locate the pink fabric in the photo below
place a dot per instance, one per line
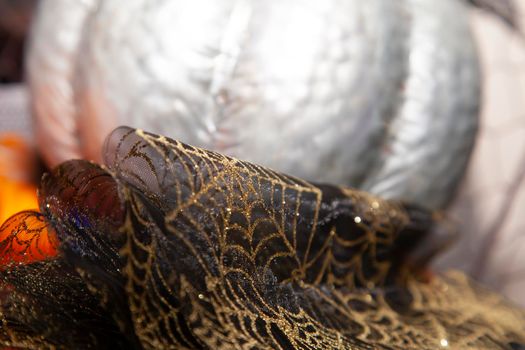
(14, 110)
(489, 208)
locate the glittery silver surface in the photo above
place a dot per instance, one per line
(333, 91)
(432, 133)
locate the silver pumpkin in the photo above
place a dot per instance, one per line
(379, 94)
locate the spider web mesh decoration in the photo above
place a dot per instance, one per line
(172, 246)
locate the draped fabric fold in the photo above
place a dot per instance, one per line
(171, 246)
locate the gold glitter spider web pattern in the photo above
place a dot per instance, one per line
(258, 230)
(221, 253)
(189, 249)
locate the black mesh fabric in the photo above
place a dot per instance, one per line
(172, 246)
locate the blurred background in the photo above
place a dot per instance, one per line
(419, 100)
